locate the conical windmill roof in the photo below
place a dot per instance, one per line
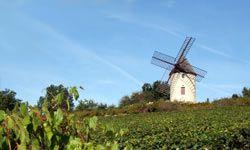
(183, 66)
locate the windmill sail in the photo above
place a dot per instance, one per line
(163, 61)
(184, 49)
(179, 68)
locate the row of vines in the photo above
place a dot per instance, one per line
(220, 128)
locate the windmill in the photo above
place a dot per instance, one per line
(183, 76)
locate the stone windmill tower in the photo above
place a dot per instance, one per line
(182, 76)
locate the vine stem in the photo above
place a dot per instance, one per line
(9, 139)
(16, 146)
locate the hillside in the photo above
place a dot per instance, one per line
(221, 124)
(218, 128)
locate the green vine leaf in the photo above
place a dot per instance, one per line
(26, 120)
(36, 122)
(49, 133)
(10, 123)
(58, 117)
(100, 147)
(2, 115)
(93, 122)
(24, 109)
(74, 144)
(22, 146)
(115, 146)
(59, 97)
(35, 144)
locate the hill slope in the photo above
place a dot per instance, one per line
(215, 128)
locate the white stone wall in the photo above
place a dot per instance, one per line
(177, 81)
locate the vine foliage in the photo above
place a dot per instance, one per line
(27, 127)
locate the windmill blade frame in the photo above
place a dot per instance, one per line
(184, 48)
(163, 61)
(162, 64)
(200, 74)
(163, 57)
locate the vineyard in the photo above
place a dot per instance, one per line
(221, 128)
(27, 127)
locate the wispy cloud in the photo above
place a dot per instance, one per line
(117, 68)
(172, 31)
(79, 50)
(217, 88)
(221, 53)
(214, 51)
(132, 20)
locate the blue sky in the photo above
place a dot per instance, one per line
(106, 45)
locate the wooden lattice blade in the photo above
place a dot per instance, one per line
(163, 60)
(185, 48)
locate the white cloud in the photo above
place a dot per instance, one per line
(81, 52)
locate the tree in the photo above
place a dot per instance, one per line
(146, 87)
(102, 106)
(8, 99)
(234, 96)
(149, 93)
(137, 97)
(111, 106)
(90, 104)
(159, 86)
(51, 92)
(125, 100)
(156, 85)
(86, 104)
(246, 92)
